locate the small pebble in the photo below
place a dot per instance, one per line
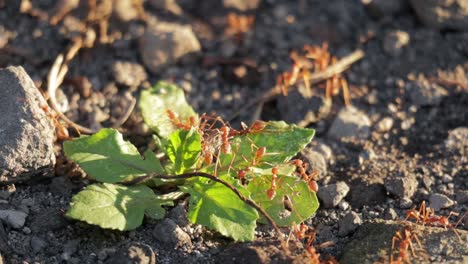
(349, 223)
(439, 201)
(331, 195)
(406, 203)
(385, 124)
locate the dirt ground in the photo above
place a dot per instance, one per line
(409, 130)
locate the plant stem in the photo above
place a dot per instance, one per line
(223, 182)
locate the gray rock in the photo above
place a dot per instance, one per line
(26, 132)
(135, 253)
(385, 8)
(179, 215)
(405, 203)
(331, 195)
(316, 161)
(349, 224)
(38, 244)
(439, 201)
(129, 73)
(442, 14)
(322, 148)
(350, 124)
(402, 187)
(242, 5)
(462, 197)
(395, 41)
(366, 155)
(457, 140)
(422, 92)
(13, 218)
(168, 232)
(372, 241)
(302, 108)
(164, 44)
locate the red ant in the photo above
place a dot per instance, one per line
(302, 168)
(406, 242)
(62, 132)
(271, 193)
(303, 231)
(173, 117)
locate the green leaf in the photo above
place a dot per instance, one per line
(183, 149)
(115, 206)
(106, 157)
(217, 207)
(282, 142)
(155, 101)
(293, 202)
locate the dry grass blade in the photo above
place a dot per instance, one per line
(314, 78)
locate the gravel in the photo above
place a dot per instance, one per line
(439, 201)
(350, 123)
(331, 195)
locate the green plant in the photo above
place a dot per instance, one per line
(234, 177)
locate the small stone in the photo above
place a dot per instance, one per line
(422, 92)
(322, 148)
(405, 203)
(343, 205)
(164, 44)
(385, 124)
(13, 218)
(391, 214)
(457, 140)
(129, 73)
(442, 14)
(462, 197)
(349, 224)
(447, 178)
(38, 244)
(302, 108)
(401, 186)
(316, 161)
(179, 215)
(395, 41)
(125, 10)
(170, 6)
(331, 195)
(439, 201)
(350, 123)
(26, 132)
(365, 155)
(168, 232)
(135, 253)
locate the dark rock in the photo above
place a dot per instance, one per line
(372, 241)
(164, 44)
(38, 244)
(350, 124)
(462, 197)
(401, 186)
(179, 215)
(366, 193)
(301, 108)
(4, 247)
(331, 195)
(61, 185)
(26, 133)
(385, 8)
(442, 14)
(48, 220)
(253, 253)
(134, 253)
(13, 218)
(349, 224)
(316, 161)
(169, 232)
(439, 201)
(129, 73)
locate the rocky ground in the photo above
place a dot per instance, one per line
(404, 140)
